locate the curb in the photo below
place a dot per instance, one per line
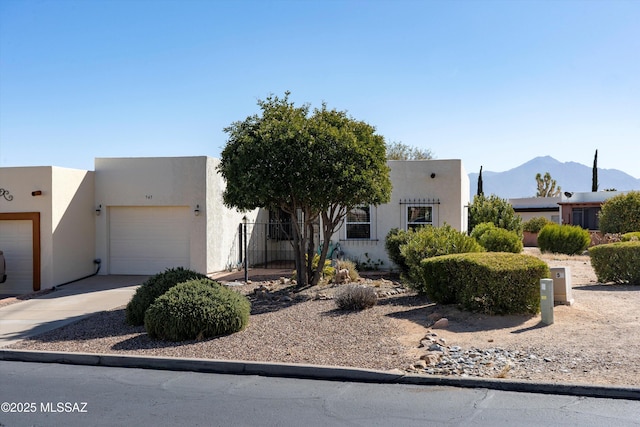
(314, 372)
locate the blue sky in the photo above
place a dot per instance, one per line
(494, 83)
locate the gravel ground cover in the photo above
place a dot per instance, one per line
(594, 341)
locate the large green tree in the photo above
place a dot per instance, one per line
(312, 165)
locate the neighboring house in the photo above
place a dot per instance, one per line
(139, 216)
(583, 209)
(47, 226)
(534, 207)
(135, 215)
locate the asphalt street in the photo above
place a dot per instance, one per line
(44, 394)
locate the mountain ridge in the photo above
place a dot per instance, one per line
(570, 176)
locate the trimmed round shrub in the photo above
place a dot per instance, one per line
(482, 228)
(197, 309)
(428, 242)
(356, 297)
(631, 237)
(152, 288)
(621, 214)
(501, 240)
(534, 225)
(492, 283)
(617, 262)
(563, 239)
(397, 237)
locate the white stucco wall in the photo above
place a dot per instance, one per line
(222, 223)
(412, 180)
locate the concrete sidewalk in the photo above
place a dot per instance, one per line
(66, 304)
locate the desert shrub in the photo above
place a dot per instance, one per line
(342, 264)
(428, 242)
(492, 283)
(621, 214)
(197, 309)
(496, 210)
(482, 228)
(152, 288)
(617, 262)
(630, 237)
(534, 225)
(501, 240)
(356, 297)
(563, 239)
(397, 237)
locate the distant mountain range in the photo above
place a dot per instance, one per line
(570, 176)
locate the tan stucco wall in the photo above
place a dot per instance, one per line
(73, 224)
(170, 181)
(66, 252)
(412, 180)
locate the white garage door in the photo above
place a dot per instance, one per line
(148, 240)
(17, 244)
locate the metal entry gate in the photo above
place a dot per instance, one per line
(268, 245)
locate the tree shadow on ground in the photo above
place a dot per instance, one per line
(608, 287)
(459, 321)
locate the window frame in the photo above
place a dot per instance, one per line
(348, 223)
(416, 224)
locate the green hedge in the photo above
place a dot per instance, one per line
(154, 287)
(563, 239)
(197, 309)
(397, 237)
(534, 225)
(428, 242)
(494, 239)
(492, 283)
(617, 262)
(631, 237)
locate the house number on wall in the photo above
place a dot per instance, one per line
(148, 196)
(5, 193)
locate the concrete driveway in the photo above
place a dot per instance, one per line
(66, 304)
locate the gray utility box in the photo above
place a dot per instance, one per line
(561, 277)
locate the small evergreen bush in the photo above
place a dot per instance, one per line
(621, 214)
(501, 240)
(563, 239)
(197, 309)
(617, 262)
(496, 210)
(356, 297)
(394, 240)
(428, 242)
(492, 283)
(482, 228)
(631, 237)
(152, 288)
(534, 225)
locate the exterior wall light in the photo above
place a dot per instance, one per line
(196, 211)
(36, 193)
(98, 210)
